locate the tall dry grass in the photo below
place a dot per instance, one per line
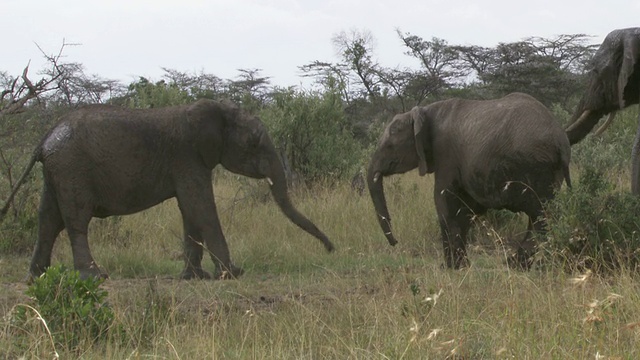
(365, 301)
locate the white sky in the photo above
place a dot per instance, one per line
(124, 39)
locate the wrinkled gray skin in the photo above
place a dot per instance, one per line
(509, 153)
(613, 84)
(100, 161)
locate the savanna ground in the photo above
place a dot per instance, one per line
(366, 300)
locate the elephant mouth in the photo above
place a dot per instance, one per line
(389, 170)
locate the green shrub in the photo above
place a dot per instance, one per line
(592, 226)
(313, 132)
(612, 149)
(72, 309)
(17, 233)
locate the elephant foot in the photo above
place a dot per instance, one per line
(521, 260)
(457, 261)
(228, 273)
(30, 278)
(93, 271)
(458, 265)
(195, 273)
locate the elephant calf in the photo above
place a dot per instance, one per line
(509, 153)
(100, 161)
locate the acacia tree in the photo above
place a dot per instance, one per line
(549, 69)
(250, 89)
(27, 106)
(19, 90)
(355, 49)
(439, 63)
(197, 85)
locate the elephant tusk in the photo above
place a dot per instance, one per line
(376, 177)
(580, 119)
(270, 182)
(606, 124)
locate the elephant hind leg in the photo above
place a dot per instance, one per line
(50, 224)
(526, 249)
(76, 207)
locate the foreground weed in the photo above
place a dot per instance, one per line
(593, 227)
(70, 308)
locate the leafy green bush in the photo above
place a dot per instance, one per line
(145, 94)
(612, 149)
(313, 133)
(592, 226)
(17, 234)
(73, 309)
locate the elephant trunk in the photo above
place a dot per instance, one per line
(376, 190)
(279, 190)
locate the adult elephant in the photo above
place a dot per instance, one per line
(613, 84)
(100, 161)
(509, 153)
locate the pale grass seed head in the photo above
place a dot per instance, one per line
(581, 280)
(434, 297)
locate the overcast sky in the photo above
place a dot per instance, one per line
(124, 39)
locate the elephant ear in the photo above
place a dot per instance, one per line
(206, 122)
(630, 57)
(419, 126)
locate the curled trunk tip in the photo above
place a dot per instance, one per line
(281, 196)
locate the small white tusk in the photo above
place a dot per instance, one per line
(270, 182)
(376, 177)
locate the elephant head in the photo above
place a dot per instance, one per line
(241, 144)
(404, 145)
(613, 84)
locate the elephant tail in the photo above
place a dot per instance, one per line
(36, 156)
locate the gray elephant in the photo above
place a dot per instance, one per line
(100, 161)
(613, 84)
(509, 153)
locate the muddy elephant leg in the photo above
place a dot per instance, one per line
(454, 242)
(50, 225)
(193, 252)
(202, 228)
(77, 224)
(454, 218)
(523, 258)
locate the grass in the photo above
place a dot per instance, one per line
(365, 301)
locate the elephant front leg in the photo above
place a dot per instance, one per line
(202, 230)
(455, 220)
(193, 252)
(454, 244)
